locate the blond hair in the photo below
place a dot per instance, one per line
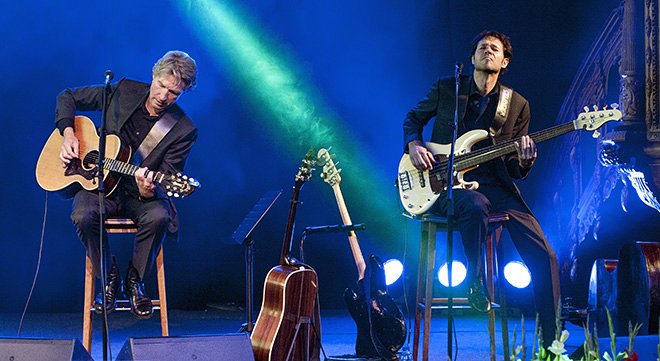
(178, 64)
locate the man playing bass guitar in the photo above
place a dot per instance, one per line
(480, 105)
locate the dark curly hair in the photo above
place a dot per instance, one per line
(508, 50)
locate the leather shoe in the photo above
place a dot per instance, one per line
(477, 296)
(112, 290)
(140, 303)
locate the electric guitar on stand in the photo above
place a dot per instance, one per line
(381, 328)
(284, 329)
(418, 190)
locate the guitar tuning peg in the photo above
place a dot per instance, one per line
(322, 175)
(596, 134)
(169, 194)
(191, 179)
(586, 108)
(614, 106)
(605, 107)
(185, 177)
(595, 107)
(338, 170)
(176, 195)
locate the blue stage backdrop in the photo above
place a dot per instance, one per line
(275, 77)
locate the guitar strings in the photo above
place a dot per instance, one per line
(441, 166)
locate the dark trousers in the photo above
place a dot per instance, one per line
(150, 216)
(471, 211)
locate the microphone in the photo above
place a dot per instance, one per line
(336, 228)
(459, 67)
(108, 76)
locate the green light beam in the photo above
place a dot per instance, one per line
(299, 119)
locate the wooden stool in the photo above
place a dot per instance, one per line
(424, 299)
(121, 225)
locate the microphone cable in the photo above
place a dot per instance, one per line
(36, 272)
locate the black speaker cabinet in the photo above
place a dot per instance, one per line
(230, 347)
(28, 349)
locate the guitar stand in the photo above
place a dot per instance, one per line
(306, 323)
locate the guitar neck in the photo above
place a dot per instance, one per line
(352, 237)
(118, 166)
(482, 155)
(290, 225)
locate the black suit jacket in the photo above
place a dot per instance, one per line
(169, 156)
(440, 103)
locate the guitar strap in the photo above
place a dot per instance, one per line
(502, 111)
(156, 134)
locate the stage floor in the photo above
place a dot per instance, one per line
(338, 330)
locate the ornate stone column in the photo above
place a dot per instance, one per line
(636, 142)
(652, 66)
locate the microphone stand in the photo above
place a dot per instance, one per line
(101, 188)
(450, 218)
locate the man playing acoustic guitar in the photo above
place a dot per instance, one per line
(485, 103)
(160, 137)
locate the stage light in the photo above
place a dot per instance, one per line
(458, 271)
(517, 274)
(393, 270)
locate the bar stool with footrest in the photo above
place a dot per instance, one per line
(121, 225)
(424, 301)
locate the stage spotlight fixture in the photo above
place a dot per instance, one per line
(393, 270)
(458, 274)
(517, 274)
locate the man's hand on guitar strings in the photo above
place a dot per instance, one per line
(144, 178)
(69, 148)
(420, 157)
(527, 151)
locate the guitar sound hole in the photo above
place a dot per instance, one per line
(91, 158)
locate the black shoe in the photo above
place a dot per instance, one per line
(140, 303)
(112, 290)
(477, 296)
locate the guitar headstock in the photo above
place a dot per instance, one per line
(306, 168)
(592, 120)
(178, 186)
(330, 172)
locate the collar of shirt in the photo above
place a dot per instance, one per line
(474, 91)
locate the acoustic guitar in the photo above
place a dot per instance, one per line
(82, 172)
(283, 331)
(381, 327)
(418, 190)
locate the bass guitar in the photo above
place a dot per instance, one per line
(82, 172)
(283, 330)
(381, 327)
(418, 190)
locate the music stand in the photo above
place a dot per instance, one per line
(242, 236)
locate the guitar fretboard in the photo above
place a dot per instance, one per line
(118, 166)
(485, 154)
